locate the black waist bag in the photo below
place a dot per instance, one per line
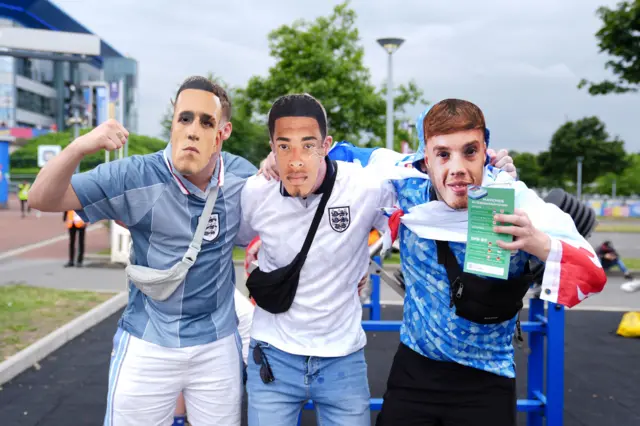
(480, 300)
(274, 291)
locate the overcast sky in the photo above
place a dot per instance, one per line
(520, 61)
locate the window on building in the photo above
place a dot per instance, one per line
(36, 103)
(40, 70)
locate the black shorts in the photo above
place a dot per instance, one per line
(423, 392)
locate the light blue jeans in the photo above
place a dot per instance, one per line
(338, 386)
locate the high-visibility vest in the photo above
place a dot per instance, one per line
(23, 191)
(73, 220)
(374, 236)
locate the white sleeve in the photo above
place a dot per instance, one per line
(244, 311)
(572, 269)
(385, 157)
(548, 217)
(388, 199)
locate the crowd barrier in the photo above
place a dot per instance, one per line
(545, 386)
(613, 208)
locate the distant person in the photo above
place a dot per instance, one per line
(609, 257)
(23, 195)
(76, 225)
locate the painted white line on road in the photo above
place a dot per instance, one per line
(20, 250)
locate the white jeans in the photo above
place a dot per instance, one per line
(145, 380)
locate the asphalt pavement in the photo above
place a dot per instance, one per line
(601, 376)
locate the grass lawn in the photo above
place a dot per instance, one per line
(619, 227)
(605, 219)
(28, 314)
(633, 264)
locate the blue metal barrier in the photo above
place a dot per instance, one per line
(374, 304)
(542, 401)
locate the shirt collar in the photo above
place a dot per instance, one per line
(187, 187)
(324, 186)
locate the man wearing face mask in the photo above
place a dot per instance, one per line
(306, 338)
(182, 208)
(452, 368)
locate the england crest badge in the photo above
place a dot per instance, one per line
(213, 228)
(339, 218)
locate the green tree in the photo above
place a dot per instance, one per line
(544, 180)
(25, 159)
(323, 58)
(249, 138)
(529, 169)
(627, 183)
(587, 138)
(619, 37)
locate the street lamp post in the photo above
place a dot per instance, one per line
(579, 182)
(390, 45)
(613, 188)
(76, 109)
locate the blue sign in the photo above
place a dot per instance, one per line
(113, 91)
(102, 105)
(4, 173)
(634, 210)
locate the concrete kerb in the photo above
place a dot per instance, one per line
(29, 356)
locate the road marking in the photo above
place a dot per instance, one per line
(20, 250)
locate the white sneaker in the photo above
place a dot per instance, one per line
(631, 286)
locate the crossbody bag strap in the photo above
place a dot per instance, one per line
(196, 243)
(194, 247)
(319, 212)
(448, 260)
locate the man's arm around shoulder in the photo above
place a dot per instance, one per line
(237, 165)
(252, 193)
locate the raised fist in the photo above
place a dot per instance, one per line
(109, 136)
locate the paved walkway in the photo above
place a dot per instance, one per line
(18, 232)
(38, 228)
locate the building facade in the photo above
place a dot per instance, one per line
(36, 93)
(53, 73)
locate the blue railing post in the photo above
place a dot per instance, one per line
(375, 294)
(535, 361)
(555, 365)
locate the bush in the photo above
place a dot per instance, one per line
(25, 159)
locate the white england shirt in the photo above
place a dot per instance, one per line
(325, 317)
